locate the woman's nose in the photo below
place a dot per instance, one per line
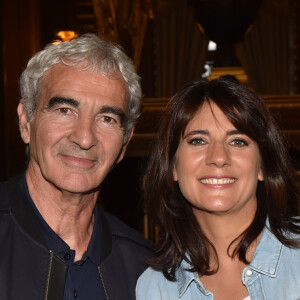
(218, 155)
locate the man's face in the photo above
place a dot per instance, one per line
(76, 135)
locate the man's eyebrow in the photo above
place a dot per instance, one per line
(61, 100)
(116, 111)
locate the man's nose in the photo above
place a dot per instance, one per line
(218, 155)
(83, 133)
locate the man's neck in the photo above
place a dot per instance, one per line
(69, 215)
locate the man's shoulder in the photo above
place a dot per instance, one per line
(8, 188)
(120, 230)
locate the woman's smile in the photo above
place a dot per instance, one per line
(224, 161)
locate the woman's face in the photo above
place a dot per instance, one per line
(217, 167)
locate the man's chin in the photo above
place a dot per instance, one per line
(76, 183)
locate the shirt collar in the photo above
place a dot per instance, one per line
(265, 260)
(267, 254)
(185, 278)
(94, 248)
(53, 241)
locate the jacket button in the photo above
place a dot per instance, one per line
(67, 256)
(248, 272)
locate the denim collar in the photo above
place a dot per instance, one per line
(265, 260)
(185, 278)
(267, 254)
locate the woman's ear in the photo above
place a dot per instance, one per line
(24, 124)
(175, 177)
(260, 175)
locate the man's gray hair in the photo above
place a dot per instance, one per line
(100, 56)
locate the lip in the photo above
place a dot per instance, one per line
(78, 161)
(217, 181)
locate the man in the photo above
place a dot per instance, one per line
(80, 100)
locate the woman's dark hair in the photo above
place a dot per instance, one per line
(277, 196)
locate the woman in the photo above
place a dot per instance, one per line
(222, 190)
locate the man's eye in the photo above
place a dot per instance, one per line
(107, 119)
(196, 141)
(64, 110)
(239, 143)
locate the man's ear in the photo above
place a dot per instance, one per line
(24, 124)
(124, 147)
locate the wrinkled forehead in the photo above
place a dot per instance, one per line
(84, 66)
(82, 85)
(62, 71)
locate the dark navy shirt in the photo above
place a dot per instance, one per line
(83, 279)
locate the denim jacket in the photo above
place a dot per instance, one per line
(274, 273)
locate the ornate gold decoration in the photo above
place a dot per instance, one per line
(66, 35)
(237, 72)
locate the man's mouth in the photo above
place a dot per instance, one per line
(80, 161)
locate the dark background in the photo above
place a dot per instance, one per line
(174, 51)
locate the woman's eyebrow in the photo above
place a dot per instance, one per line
(206, 132)
(233, 132)
(195, 132)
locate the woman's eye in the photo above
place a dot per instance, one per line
(196, 141)
(239, 143)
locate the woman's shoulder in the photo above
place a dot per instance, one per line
(152, 277)
(151, 273)
(152, 284)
